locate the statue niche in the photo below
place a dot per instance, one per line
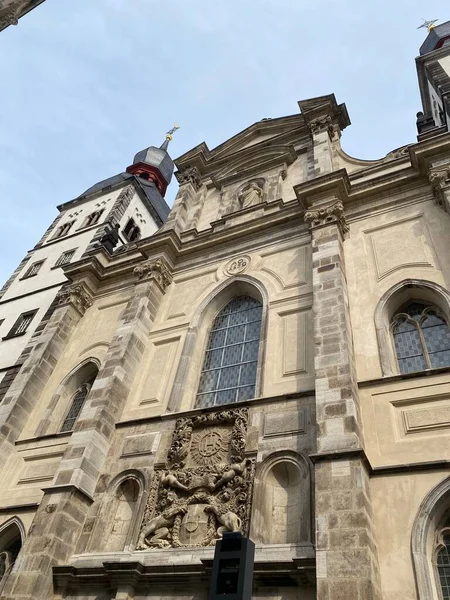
(205, 487)
(251, 193)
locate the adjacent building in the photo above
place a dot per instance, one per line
(272, 356)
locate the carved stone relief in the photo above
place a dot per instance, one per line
(237, 265)
(76, 295)
(191, 176)
(157, 270)
(247, 195)
(325, 216)
(439, 180)
(206, 485)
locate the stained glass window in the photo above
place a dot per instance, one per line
(421, 337)
(443, 567)
(231, 359)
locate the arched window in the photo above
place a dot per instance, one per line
(10, 545)
(421, 337)
(131, 231)
(231, 359)
(87, 374)
(443, 561)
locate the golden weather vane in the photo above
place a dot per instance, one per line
(170, 133)
(429, 25)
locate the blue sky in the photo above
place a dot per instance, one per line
(87, 84)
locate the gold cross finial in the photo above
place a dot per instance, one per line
(429, 25)
(170, 133)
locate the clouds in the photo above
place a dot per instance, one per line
(91, 83)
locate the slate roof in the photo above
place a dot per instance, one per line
(436, 34)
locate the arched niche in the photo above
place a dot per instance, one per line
(12, 534)
(61, 401)
(391, 301)
(117, 520)
(187, 377)
(433, 513)
(281, 512)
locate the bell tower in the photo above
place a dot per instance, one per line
(433, 70)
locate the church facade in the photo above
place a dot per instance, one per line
(270, 356)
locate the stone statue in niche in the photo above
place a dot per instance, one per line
(251, 193)
(205, 487)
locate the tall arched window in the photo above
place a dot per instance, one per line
(10, 545)
(443, 561)
(231, 359)
(421, 337)
(88, 373)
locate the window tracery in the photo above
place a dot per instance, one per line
(443, 561)
(231, 359)
(421, 337)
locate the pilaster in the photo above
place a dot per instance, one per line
(64, 507)
(345, 549)
(188, 202)
(45, 350)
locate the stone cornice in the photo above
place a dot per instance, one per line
(331, 186)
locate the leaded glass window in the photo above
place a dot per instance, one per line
(231, 359)
(75, 407)
(443, 564)
(421, 337)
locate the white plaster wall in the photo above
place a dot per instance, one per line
(81, 211)
(436, 104)
(138, 212)
(10, 349)
(445, 64)
(50, 253)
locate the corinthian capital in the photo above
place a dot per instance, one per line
(191, 176)
(326, 216)
(158, 270)
(75, 295)
(439, 178)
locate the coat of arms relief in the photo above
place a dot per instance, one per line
(206, 485)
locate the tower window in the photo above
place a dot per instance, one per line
(63, 230)
(231, 358)
(131, 231)
(65, 258)
(21, 325)
(92, 219)
(33, 269)
(421, 338)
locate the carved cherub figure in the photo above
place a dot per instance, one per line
(172, 481)
(235, 469)
(159, 527)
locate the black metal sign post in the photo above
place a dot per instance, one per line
(232, 572)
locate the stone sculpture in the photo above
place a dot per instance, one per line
(206, 485)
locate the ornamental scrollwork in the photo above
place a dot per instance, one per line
(322, 124)
(10, 18)
(157, 270)
(326, 216)
(76, 296)
(191, 176)
(439, 179)
(205, 487)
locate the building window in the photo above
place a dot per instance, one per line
(76, 405)
(421, 338)
(33, 269)
(92, 219)
(231, 359)
(131, 231)
(443, 562)
(21, 325)
(65, 258)
(10, 545)
(63, 230)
